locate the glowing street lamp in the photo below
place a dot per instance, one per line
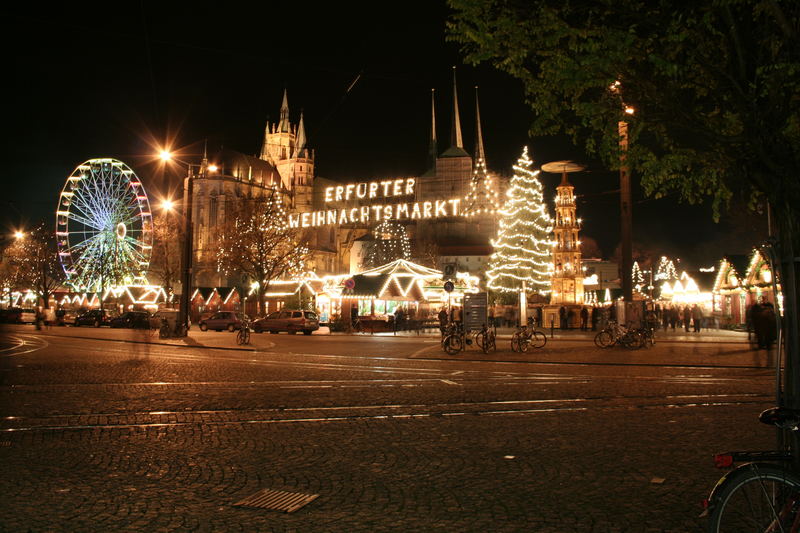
(19, 235)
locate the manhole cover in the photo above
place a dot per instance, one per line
(277, 500)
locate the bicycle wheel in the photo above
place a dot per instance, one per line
(491, 342)
(631, 340)
(756, 497)
(453, 344)
(481, 341)
(603, 339)
(241, 336)
(538, 339)
(515, 342)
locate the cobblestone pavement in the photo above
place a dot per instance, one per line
(121, 436)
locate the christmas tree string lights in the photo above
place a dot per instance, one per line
(522, 249)
(482, 198)
(391, 243)
(637, 276)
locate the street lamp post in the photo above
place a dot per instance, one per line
(626, 229)
(186, 256)
(186, 260)
(626, 222)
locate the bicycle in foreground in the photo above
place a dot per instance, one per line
(527, 336)
(456, 338)
(243, 335)
(486, 339)
(763, 492)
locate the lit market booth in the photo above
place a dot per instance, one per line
(209, 300)
(122, 298)
(373, 296)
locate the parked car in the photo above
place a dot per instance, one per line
(27, 316)
(10, 315)
(66, 317)
(170, 315)
(93, 317)
(222, 320)
(290, 320)
(131, 319)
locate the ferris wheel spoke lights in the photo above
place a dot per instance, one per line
(103, 226)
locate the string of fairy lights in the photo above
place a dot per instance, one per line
(482, 197)
(523, 248)
(391, 243)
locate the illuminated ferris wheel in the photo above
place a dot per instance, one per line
(104, 228)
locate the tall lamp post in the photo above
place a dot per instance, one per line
(187, 249)
(626, 216)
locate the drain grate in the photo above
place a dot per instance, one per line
(277, 500)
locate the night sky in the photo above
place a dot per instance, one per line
(89, 83)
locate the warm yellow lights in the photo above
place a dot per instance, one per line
(19, 235)
(165, 155)
(629, 110)
(167, 205)
(212, 168)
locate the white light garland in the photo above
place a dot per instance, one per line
(523, 244)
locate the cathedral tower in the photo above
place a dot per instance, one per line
(285, 148)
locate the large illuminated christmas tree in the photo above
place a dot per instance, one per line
(522, 249)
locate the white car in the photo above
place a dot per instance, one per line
(28, 316)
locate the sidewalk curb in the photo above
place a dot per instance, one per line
(130, 341)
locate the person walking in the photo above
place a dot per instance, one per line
(442, 320)
(595, 317)
(764, 323)
(584, 318)
(458, 317)
(562, 316)
(665, 317)
(697, 317)
(687, 317)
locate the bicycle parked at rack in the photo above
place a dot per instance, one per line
(763, 492)
(457, 339)
(614, 334)
(243, 335)
(166, 331)
(527, 336)
(486, 339)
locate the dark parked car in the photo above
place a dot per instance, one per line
(66, 317)
(222, 320)
(12, 315)
(131, 319)
(94, 317)
(291, 320)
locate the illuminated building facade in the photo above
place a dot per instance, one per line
(336, 215)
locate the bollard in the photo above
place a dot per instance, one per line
(551, 327)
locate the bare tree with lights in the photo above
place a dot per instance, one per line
(32, 263)
(165, 260)
(258, 243)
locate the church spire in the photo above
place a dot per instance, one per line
(432, 149)
(300, 142)
(455, 132)
(479, 153)
(283, 124)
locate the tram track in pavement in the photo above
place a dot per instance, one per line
(343, 413)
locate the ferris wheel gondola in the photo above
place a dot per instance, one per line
(104, 227)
